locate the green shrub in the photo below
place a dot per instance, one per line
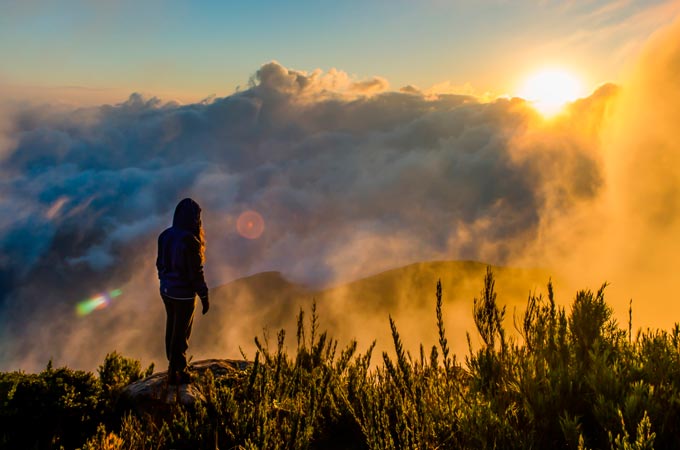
(118, 371)
(57, 407)
(574, 380)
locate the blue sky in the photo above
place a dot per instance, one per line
(195, 49)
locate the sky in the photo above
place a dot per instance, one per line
(104, 50)
(329, 142)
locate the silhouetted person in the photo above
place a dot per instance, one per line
(181, 254)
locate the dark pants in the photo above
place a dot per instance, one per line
(180, 317)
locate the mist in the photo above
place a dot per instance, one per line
(642, 201)
(351, 178)
(627, 233)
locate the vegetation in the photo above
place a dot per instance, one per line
(575, 380)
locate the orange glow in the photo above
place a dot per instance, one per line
(550, 89)
(250, 225)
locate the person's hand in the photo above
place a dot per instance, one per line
(206, 304)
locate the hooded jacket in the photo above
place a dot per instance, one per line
(179, 264)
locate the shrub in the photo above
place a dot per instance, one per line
(574, 380)
(57, 407)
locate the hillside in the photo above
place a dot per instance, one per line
(410, 285)
(360, 309)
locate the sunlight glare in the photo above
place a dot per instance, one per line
(550, 89)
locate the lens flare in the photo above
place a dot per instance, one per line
(250, 225)
(99, 302)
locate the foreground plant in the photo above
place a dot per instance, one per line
(573, 380)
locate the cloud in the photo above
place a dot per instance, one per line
(644, 150)
(350, 178)
(274, 79)
(627, 232)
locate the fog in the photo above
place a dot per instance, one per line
(351, 177)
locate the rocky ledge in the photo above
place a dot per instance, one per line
(153, 391)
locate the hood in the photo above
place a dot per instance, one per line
(187, 216)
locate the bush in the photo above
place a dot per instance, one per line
(575, 380)
(57, 407)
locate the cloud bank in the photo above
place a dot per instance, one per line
(349, 177)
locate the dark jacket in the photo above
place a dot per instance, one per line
(179, 264)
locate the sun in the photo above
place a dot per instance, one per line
(550, 89)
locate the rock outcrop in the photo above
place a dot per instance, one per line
(153, 392)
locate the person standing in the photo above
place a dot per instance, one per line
(181, 255)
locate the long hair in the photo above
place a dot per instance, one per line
(201, 240)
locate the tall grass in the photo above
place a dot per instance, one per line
(574, 379)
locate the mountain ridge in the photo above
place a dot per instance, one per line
(360, 309)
